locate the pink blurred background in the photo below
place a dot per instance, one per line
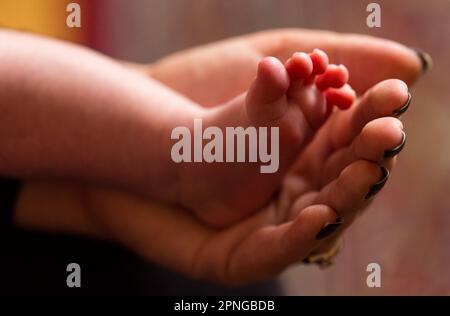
(407, 229)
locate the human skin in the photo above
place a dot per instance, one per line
(296, 97)
(217, 72)
(75, 114)
(65, 213)
(210, 83)
(287, 226)
(70, 113)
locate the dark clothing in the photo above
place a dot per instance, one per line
(35, 263)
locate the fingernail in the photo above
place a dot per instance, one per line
(374, 189)
(403, 108)
(425, 59)
(394, 151)
(329, 228)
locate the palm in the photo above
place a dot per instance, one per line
(280, 233)
(283, 231)
(264, 244)
(215, 73)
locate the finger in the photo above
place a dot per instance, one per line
(362, 54)
(355, 187)
(379, 139)
(351, 193)
(343, 126)
(271, 249)
(383, 99)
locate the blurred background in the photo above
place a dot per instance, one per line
(407, 229)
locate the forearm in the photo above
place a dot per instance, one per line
(69, 112)
(55, 207)
(144, 227)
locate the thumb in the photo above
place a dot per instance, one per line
(369, 59)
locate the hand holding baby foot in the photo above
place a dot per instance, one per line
(296, 98)
(360, 138)
(337, 175)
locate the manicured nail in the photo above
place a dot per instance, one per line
(374, 189)
(425, 59)
(403, 108)
(329, 228)
(394, 151)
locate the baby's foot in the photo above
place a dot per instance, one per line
(296, 97)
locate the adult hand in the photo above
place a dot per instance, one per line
(337, 176)
(338, 173)
(215, 72)
(334, 175)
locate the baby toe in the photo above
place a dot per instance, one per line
(320, 61)
(335, 76)
(299, 66)
(342, 97)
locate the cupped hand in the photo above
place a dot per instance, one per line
(337, 176)
(215, 72)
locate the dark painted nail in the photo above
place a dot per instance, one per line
(374, 189)
(329, 228)
(394, 151)
(403, 108)
(425, 59)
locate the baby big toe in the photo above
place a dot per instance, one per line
(266, 95)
